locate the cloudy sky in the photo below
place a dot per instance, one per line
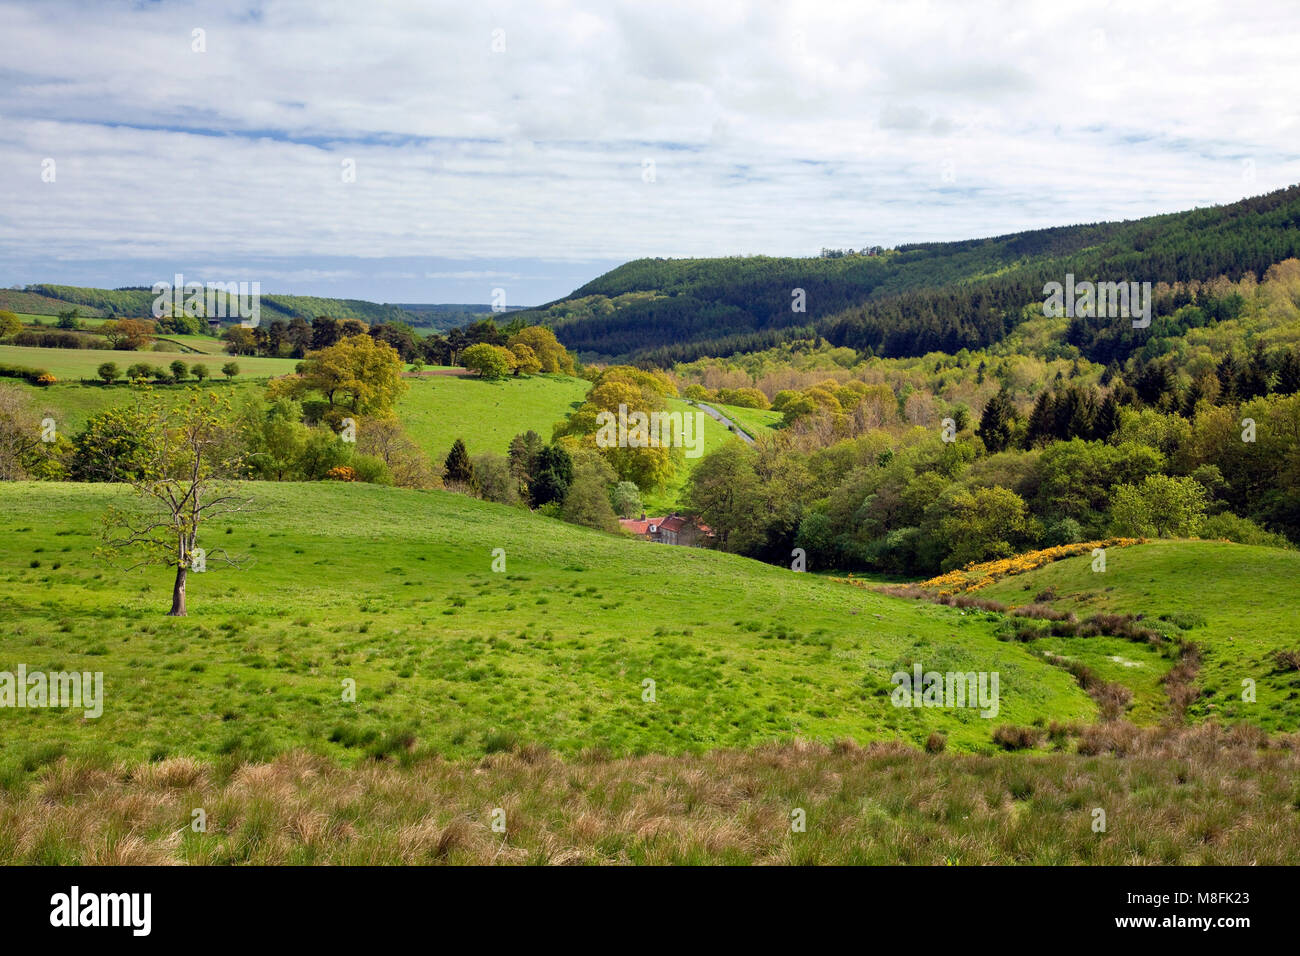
(430, 151)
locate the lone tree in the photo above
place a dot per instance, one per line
(459, 468)
(490, 361)
(190, 459)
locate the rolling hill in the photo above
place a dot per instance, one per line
(909, 300)
(1250, 618)
(395, 590)
(137, 302)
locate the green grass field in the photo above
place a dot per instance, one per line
(1237, 602)
(70, 404)
(438, 409)
(82, 363)
(755, 421)
(394, 589)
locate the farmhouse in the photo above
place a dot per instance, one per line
(673, 529)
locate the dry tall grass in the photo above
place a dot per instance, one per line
(1203, 795)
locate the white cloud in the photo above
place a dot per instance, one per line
(773, 128)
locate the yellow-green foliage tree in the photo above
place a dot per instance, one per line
(359, 372)
(636, 390)
(489, 361)
(526, 360)
(552, 357)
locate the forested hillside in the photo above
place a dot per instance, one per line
(909, 300)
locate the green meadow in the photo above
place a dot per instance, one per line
(438, 409)
(755, 421)
(70, 404)
(1235, 601)
(395, 590)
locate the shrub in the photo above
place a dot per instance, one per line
(341, 473)
(1287, 660)
(370, 469)
(109, 372)
(935, 743)
(1228, 527)
(32, 375)
(626, 499)
(1011, 737)
(45, 379)
(52, 340)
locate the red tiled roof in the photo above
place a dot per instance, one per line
(639, 525)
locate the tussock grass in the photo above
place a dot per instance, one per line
(1190, 796)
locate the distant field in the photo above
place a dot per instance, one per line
(82, 363)
(71, 403)
(438, 409)
(204, 343)
(1236, 601)
(755, 421)
(394, 589)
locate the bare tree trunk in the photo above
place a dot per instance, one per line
(178, 593)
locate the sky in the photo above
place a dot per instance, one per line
(417, 151)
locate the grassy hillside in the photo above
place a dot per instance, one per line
(35, 304)
(438, 409)
(1236, 602)
(394, 589)
(755, 421)
(70, 404)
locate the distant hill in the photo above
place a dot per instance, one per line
(441, 317)
(32, 303)
(137, 302)
(909, 300)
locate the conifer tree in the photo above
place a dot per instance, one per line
(996, 421)
(460, 470)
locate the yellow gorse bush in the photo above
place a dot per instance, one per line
(973, 577)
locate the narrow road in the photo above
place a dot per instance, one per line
(715, 414)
